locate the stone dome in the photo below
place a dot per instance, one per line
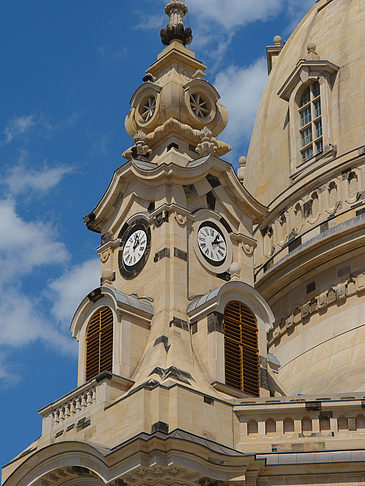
(306, 162)
(336, 30)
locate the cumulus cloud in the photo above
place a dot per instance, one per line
(241, 89)
(68, 290)
(20, 179)
(21, 323)
(18, 126)
(219, 20)
(26, 245)
(7, 374)
(234, 13)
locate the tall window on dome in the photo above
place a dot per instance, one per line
(99, 343)
(241, 348)
(310, 114)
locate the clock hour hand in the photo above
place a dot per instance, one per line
(136, 242)
(216, 241)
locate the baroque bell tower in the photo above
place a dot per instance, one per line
(175, 335)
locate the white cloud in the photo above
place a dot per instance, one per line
(217, 21)
(234, 13)
(241, 90)
(26, 245)
(20, 179)
(152, 22)
(7, 374)
(44, 317)
(68, 290)
(21, 323)
(18, 126)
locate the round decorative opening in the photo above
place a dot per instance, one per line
(147, 109)
(200, 106)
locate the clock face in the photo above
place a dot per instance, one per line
(134, 248)
(212, 243)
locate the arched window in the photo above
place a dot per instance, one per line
(342, 423)
(99, 343)
(270, 426)
(324, 424)
(360, 422)
(252, 427)
(306, 424)
(241, 348)
(310, 113)
(288, 425)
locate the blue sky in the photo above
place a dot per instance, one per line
(69, 68)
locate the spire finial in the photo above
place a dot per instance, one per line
(175, 30)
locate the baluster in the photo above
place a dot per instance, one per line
(73, 407)
(83, 401)
(68, 410)
(89, 397)
(56, 418)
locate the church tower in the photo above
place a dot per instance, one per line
(176, 333)
(176, 386)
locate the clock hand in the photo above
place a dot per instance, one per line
(216, 241)
(136, 242)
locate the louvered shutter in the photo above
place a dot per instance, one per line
(241, 348)
(99, 343)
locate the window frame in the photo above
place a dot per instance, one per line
(98, 342)
(241, 337)
(305, 74)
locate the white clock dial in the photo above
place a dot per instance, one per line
(134, 248)
(212, 244)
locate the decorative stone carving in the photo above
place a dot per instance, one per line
(176, 30)
(167, 475)
(242, 169)
(312, 211)
(104, 257)
(181, 219)
(311, 52)
(248, 249)
(142, 148)
(320, 303)
(208, 144)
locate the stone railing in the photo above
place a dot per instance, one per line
(309, 214)
(75, 405)
(277, 422)
(75, 408)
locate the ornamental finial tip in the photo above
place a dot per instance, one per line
(175, 30)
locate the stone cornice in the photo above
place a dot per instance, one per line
(309, 67)
(334, 295)
(166, 174)
(312, 179)
(341, 239)
(175, 53)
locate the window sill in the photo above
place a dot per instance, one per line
(230, 390)
(328, 151)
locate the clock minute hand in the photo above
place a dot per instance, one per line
(216, 241)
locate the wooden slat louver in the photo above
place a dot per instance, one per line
(99, 343)
(241, 348)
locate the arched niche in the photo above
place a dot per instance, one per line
(208, 313)
(127, 312)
